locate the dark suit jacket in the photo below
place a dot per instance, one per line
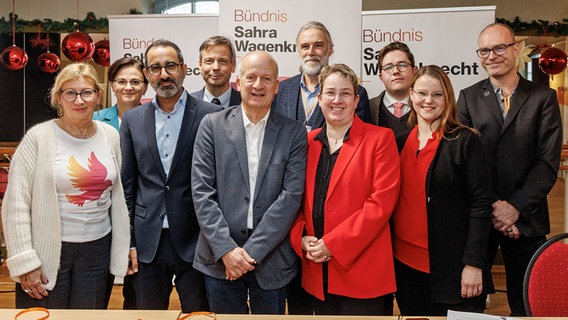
(220, 181)
(288, 102)
(233, 101)
(459, 213)
(523, 151)
(149, 193)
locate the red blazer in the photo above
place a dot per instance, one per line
(362, 195)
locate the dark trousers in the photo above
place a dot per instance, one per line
(231, 296)
(516, 257)
(81, 279)
(299, 301)
(414, 297)
(128, 292)
(154, 281)
(341, 305)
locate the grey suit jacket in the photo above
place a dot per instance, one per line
(220, 181)
(522, 150)
(149, 193)
(234, 100)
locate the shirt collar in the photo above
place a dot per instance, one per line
(246, 120)
(224, 97)
(305, 87)
(388, 100)
(179, 104)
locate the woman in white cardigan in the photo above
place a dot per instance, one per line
(64, 215)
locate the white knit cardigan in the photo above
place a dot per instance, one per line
(30, 210)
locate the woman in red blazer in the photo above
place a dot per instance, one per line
(342, 233)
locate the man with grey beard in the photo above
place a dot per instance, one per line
(157, 146)
(297, 96)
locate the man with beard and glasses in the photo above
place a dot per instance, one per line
(157, 146)
(297, 97)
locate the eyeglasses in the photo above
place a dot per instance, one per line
(70, 95)
(389, 68)
(123, 82)
(423, 95)
(171, 68)
(498, 50)
(342, 95)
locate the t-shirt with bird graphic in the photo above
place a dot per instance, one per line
(85, 173)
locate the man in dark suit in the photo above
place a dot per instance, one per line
(249, 167)
(521, 130)
(157, 147)
(217, 61)
(390, 108)
(297, 97)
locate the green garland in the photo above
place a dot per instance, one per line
(537, 27)
(90, 24)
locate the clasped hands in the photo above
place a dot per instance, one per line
(315, 249)
(237, 263)
(504, 218)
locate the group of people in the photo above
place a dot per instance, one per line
(302, 194)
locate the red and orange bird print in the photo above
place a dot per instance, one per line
(91, 182)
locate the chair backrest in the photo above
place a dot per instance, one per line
(546, 280)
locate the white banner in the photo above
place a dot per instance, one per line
(274, 25)
(443, 36)
(130, 35)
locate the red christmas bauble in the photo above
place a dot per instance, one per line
(78, 46)
(102, 53)
(14, 58)
(48, 62)
(552, 61)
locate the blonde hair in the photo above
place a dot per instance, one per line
(73, 72)
(342, 70)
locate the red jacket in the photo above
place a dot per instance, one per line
(361, 197)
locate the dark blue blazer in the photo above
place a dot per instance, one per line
(233, 101)
(288, 102)
(149, 193)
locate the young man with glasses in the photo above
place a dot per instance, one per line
(521, 130)
(157, 146)
(390, 108)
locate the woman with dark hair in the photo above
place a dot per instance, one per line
(442, 219)
(128, 83)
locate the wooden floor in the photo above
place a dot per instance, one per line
(497, 302)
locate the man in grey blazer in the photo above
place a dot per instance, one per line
(157, 147)
(248, 176)
(521, 130)
(217, 61)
